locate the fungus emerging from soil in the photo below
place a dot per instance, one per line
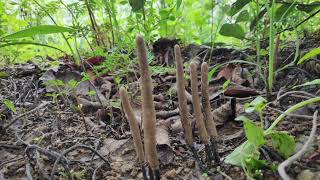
(182, 97)
(134, 126)
(196, 105)
(208, 117)
(148, 109)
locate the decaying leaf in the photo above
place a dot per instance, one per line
(225, 112)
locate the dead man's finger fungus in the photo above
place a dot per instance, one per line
(148, 109)
(208, 117)
(196, 105)
(182, 97)
(134, 126)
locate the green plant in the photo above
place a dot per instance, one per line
(10, 105)
(256, 137)
(257, 105)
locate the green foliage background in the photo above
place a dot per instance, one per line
(210, 22)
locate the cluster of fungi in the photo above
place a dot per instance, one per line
(147, 154)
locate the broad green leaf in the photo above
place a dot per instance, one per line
(238, 156)
(10, 105)
(30, 43)
(237, 6)
(254, 133)
(136, 5)
(283, 143)
(309, 55)
(37, 30)
(314, 82)
(243, 16)
(232, 30)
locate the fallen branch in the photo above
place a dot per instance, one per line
(284, 164)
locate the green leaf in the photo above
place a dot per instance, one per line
(314, 82)
(37, 30)
(72, 83)
(232, 30)
(254, 133)
(309, 55)
(136, 5)
(254, 163)
(283, 143)
(226, 84)
(30, 43)
(237, 6)
(258, 101)
(243, 16)
(10, 105)
(214, 70)
(238, 156)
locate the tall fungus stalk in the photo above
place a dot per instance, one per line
(148, 109)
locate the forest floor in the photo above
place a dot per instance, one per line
(89, 137)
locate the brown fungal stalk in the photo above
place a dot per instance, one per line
(148, 108)
(208, 117)
(182, 97)
(196, 105)
(133, 123)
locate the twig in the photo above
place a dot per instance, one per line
(296, 92)
(290, 114)
(24, 114)
(284, 164)
(71, 149)
(29, 171)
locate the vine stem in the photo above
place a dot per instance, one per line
(290, 110)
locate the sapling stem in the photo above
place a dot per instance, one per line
(148, 109)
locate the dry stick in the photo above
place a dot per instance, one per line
(197, 110)
(183, 107)
(284, 164)
(134, 127)
(148, 109)
(208, 117)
